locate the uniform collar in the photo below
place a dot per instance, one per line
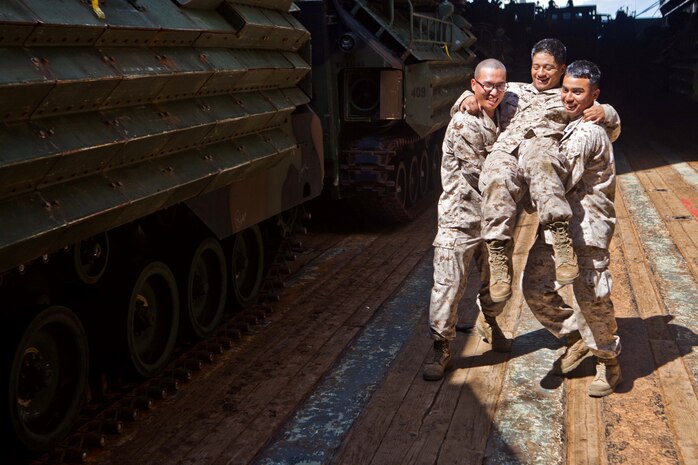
(571, 126)
(495, 120)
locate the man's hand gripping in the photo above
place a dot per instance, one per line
(595, 114)
(470, 105)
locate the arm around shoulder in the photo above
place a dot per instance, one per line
(605, 115)
(456, 106)
(611, 122)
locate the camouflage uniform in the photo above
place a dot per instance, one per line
(458, 238)
(591, 188)
(526, 155)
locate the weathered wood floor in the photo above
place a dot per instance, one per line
(335, 376)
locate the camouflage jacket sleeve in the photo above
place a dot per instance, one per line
(466, 140)
(456, 106)
(590, 184)
(517, 88)
(585, 149)
(464, 150)
(611, 122)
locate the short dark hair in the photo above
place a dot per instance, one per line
(585, 69)
(552, 47)
(490, 63)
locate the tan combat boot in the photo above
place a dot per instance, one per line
(434, 370)
(575, 353)
(566, 268)
(491, 333)
(607, 377)
(500, 271)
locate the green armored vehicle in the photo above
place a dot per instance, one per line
(385, 75)
(146, 146)
(150, 150)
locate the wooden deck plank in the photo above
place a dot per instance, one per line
(681, 159)
(585, 438)
(680, 224)
(680, 398)
(584, 429)
(633, 421)
(366, 299)
(252, 373)
(329, 400)
(362, 442)
(324, 343)
(471, 422)
(248, 374)
(673, 377)
(675, 282)
(668, 191)
(685, 188)
(528, 424)
(365, 437)
(434, 422)
(407, 426)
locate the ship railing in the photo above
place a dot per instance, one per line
(428, 29)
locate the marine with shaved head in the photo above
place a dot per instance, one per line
(466, 144)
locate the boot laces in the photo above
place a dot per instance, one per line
(499, 266)
(600, 372)
(562, 242)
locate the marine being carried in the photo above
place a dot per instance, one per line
(526, 156)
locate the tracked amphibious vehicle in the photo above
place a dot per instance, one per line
(152, 152)
(385, 74)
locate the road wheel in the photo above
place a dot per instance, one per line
(435, 156)
(413, 181)
(90, 258)
(152, 319)
(423, 173)
(247, 266)
(47, 377)
(204, 291)
(401, 187)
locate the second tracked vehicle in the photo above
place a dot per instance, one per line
(385, 74)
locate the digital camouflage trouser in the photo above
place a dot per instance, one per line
(450, 280)
(537, 166)
(592, 312)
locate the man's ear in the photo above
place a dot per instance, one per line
(596, 93)
(563, 68)
(472, 84)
